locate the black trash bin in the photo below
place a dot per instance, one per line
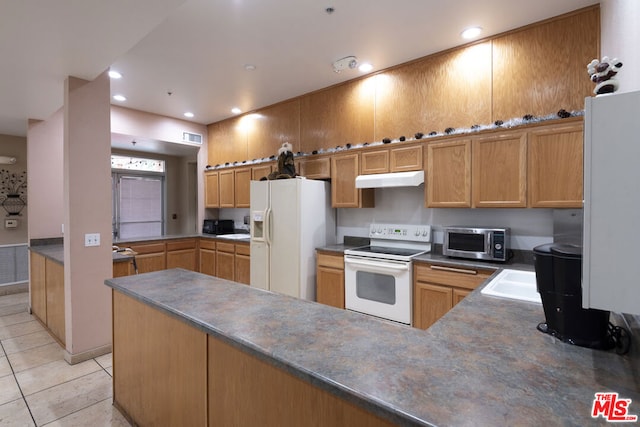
(559, 282)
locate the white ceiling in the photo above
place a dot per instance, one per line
(197, 49)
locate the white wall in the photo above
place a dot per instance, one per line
(529, 227)
(619, 36)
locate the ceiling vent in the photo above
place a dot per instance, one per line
(192, 137)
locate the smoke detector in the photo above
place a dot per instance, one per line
(344, 63)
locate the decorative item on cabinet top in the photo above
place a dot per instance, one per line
(504, 124)
(13, 191)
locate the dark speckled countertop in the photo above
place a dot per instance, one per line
(484, 363)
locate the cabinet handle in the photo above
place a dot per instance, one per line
(454, 270)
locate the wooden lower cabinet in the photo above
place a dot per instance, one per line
(182, 254)
(38, 289)
(225, 260)
(330, 279)
(207, 257)
(437, 288)
(151, 256)
(123, 268)
(159, 366)
(243, 263)
(167, 372)
(47, 294)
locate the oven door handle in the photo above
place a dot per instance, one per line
(377, 265)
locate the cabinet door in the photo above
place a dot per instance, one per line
(122, 268)
(208, 261)
(555, 166)
(207, 257)
(227, 190)
(225, 260)
(243, 263)
(211, 195)
(499, 171)
(38, 290)
(430, 303)
(314, 168)
(448, 174)
(375, 162)
(242, 184)
(405, 159)
(344, 194)
(459, 295)
(330, 286)
(151, 256)
(55, 299)
(185, 258)
(258, 172)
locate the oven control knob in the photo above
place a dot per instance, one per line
(498, 246)
(425, 233)
(417, 233)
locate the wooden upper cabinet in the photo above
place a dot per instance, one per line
(450, 89)
(242, 187)
(211, 194)
(339, 115)
(344, 194)
(403, 159)
(524, 82)
(499, 170)
(399, 159)
(261, 171)
(227, 141)
(448, 181)
(375, 162)
(555, 166)
(227, 188)
(314, 168)
(269, 127)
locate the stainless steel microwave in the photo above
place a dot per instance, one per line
(490, 244)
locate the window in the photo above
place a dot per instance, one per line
(138, 197)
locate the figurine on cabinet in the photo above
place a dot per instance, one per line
(603, 74)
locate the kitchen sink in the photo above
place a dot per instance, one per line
(514, 284)
(238, 236)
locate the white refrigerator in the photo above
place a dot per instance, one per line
(611, 203)
(290, 218)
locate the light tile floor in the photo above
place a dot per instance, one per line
(37, 386)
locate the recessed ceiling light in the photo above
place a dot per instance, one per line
(188, 114)
(114, 74)
(250, 67)
(236, 110)
(471, 32)
(119, 98)
(365, 67)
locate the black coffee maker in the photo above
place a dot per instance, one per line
(559, 282)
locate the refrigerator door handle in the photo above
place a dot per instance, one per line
(267, 226)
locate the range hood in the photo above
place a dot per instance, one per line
(395, 179)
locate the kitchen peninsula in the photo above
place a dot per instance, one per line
(198, 350)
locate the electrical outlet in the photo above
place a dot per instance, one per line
(92, 239)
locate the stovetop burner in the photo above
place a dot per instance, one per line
(395, 242)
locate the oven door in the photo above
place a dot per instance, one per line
(378, 287)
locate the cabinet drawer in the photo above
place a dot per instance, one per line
(332, 261)
(375, 162)
(181, 244)
(225, 247)
(148, 248)
(207, 244)
(460, 277)
(243, 249)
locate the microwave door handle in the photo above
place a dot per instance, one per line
(489, 243)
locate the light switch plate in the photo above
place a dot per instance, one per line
(10, 223)
(92, 239)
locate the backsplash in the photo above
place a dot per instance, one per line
(529, 227)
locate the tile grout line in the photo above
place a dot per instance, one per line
(18, 384)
